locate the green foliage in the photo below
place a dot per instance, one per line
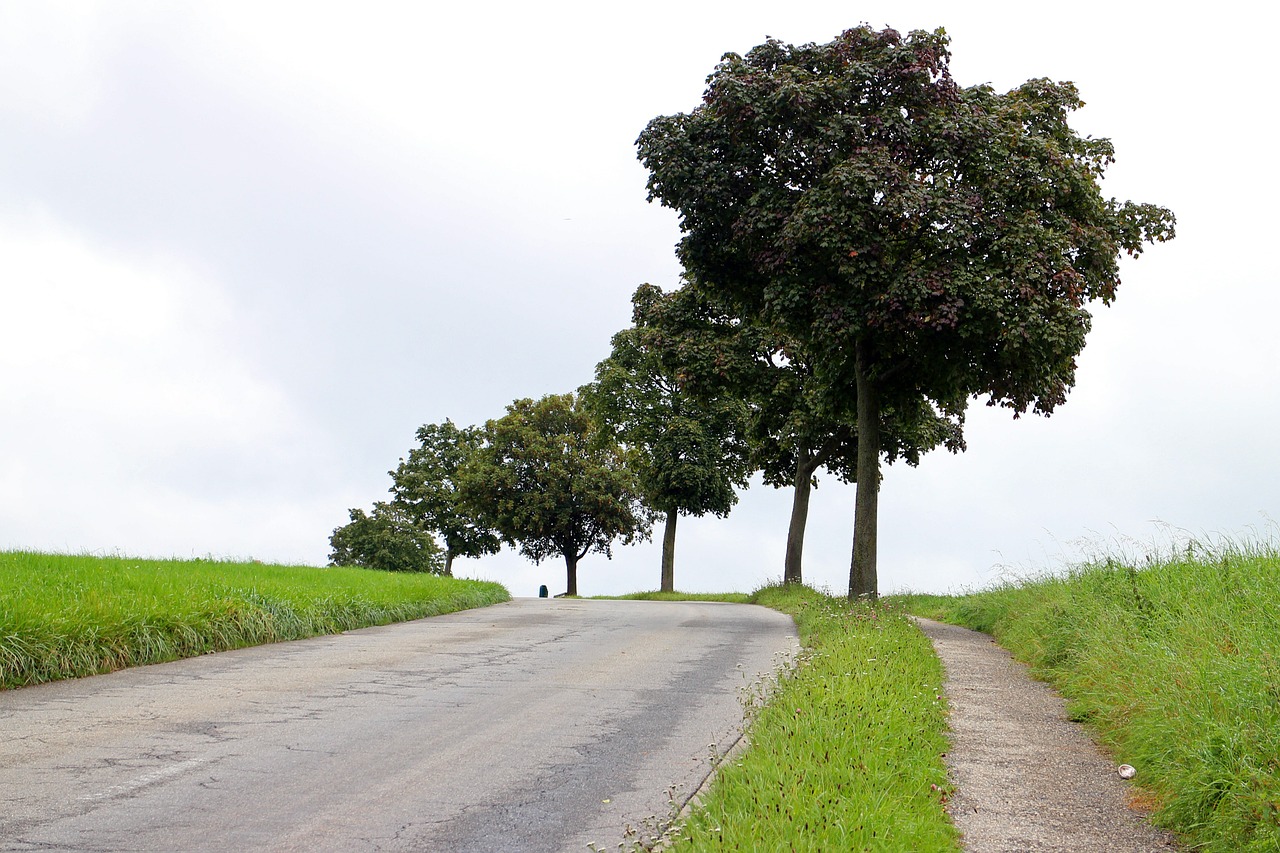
(550, 486)
(388, 540)
(1175, 664)
(846, 754)
(69, 616)
(853, 191)
(923, 243)
(688, 452)
(717, 358)
(425, 487)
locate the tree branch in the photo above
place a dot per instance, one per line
(830, 446)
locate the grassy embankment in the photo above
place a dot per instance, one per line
(731, 597)
(846, 754)
(1175, 665)
(69, 616)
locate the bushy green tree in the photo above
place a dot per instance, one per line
(548, 485)
(924, 243)
(689, 453)
(425, 487)
(793, 425)
(386, 539)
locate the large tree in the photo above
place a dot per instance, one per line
(426, 486)
(689, 453)
(548, 485)
(925, 242)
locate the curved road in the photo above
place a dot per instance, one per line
(534, 725)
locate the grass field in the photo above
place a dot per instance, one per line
(66, 616)
(1175, 665)
(847, 752)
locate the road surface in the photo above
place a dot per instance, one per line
(529, 726)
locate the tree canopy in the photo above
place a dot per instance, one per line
(689, 453)
(549, 485)
(386, 539)
(426, 486)
(923, 243)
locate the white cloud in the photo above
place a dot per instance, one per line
(140, 343)
(127, 403)
(47, 92)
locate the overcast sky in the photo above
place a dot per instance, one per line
(247, 248)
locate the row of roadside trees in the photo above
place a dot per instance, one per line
(868, 247)
(563, 476)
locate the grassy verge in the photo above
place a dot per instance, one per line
(68, 616)
(847, 752)
(1176, 667)
(731, 597)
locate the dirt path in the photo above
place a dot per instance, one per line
(1027, 778)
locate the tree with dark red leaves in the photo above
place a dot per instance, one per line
(925, 243)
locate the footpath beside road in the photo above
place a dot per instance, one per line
(1027, 778)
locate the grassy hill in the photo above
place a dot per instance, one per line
(1174, 664)
(64, 616)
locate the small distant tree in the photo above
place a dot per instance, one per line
(425, 486)
(386, 539)
(551, 487)
(689, 454)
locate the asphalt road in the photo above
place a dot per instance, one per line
(538, 725)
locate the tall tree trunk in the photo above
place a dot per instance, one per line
(448, 563)
(862, 569)
(571, 566)
(791, 571)
(669, 552)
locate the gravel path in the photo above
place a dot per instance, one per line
(1027, 779)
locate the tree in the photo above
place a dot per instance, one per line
(789, 434)
(426, 486)
(925, 243)
(688, 454)
(792, 428)
(549, 485)
(386, 540)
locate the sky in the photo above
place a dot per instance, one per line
(246, 249)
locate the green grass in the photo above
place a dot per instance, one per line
(731, 597)
(66, 616)
(1175, 665)
(846, 754)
